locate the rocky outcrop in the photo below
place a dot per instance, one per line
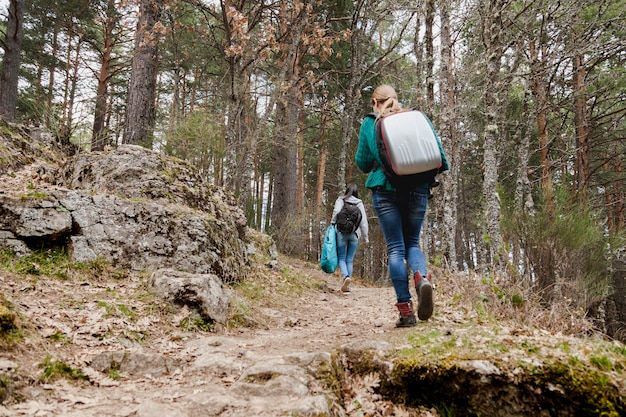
(129, 234)
(21, 146)
(139, 174)
(132, 207)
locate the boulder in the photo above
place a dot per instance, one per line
(203, 292)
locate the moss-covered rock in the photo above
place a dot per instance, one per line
(7, 319)
(559, 380)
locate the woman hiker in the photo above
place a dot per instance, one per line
(400, 213)
(348, 241)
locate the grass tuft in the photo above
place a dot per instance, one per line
(53, 369)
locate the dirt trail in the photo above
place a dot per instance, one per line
(171, 372)
(321, 320)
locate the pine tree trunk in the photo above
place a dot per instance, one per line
(493, 50)
(430, 54)
(72, 86)
(301, 168)
(260, 193)
(285, 164)
(448, 133)
(541, 255)
(541, 106)
(241, 148)
(140, 114)
(615, 200)
(285, 155)
(11, 62)
(319, 192)
(98, 136)
(523, 201)
(580, 121)
(418, 50)
(65, 126)
(319, 188)
(616, 316)
(51, 78)
(523, 191)
(352, 95)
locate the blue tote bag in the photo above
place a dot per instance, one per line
(329, 261)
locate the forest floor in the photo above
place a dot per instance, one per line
(284, 320)
(71, 320)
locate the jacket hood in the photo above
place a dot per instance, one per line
(353, 199)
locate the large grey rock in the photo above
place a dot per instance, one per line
(34, 218)
(129, 234)
(202, 291)
(10, 242)
(136, 209)
(138, 173)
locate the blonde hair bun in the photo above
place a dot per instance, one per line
(385, 99)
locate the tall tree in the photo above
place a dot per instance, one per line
(103, 41)
(321, 175)
(368, 64)
(492, 28)
(286, 126)
(245, 43)
(140, 114)
(12, 46)
(449, 135)
(429, 44)
(581, 125)
(52, 69)
(355, 83)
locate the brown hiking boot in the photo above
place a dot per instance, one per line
(345, 286)
(424, 288)
(407, 316)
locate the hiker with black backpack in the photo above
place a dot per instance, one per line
(350, 220)
(401, 211)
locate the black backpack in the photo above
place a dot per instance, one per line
(408, 147)
(349, 218)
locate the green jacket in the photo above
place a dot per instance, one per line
(367, 157)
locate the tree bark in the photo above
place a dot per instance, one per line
(615, 200)
(321, 176)
(72, 76)
(98, 136)
(492, 28)
(580, 117)
(51, 78)
(430, 54)
(523, 191)
(140, 114)
(12, 46)
(285, 155)
(448, 131)
(541, 255)
(351, 95)
(241, 149)
(541, 106)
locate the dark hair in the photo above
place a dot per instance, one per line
(351, 189)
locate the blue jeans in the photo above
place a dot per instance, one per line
(401, 215)
(346, 249)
